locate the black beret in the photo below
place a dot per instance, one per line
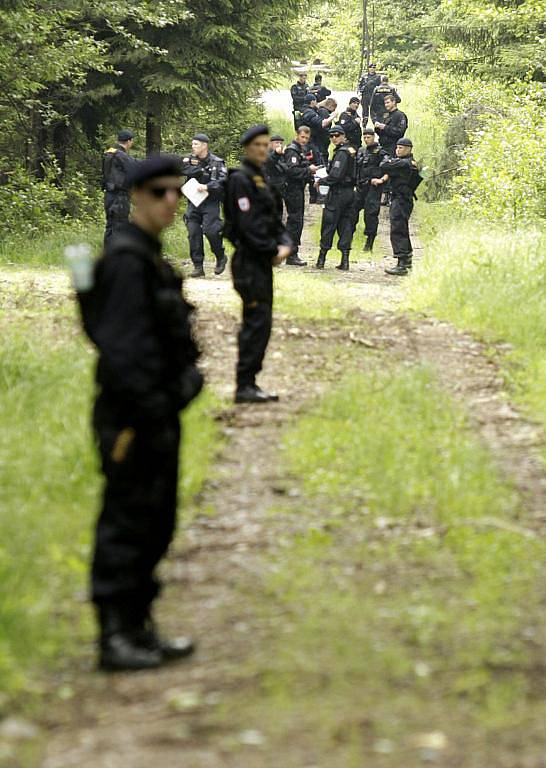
(404, 142)
(276, 137)
(337, 129)
(153, 167)
(256, 130)
(201, 137)
(368, 131)
(310, 97)
(354, 99)
(125, 135)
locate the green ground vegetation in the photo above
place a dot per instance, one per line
(50, 485)
(411, 598)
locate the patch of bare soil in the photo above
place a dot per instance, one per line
(164, 718)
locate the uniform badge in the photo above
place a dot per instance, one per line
(342, 122)
(244, 204)
(259, 181)
(185, 159)
(194, 161)
(294, 160)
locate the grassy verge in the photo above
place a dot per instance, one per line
(50, 485)
(406, 622)
(491, 281)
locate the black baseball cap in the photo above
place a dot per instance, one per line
(310, 97)
(337, 129)
(276, 137)
(354, 100)
(125, 135)
(404, 142)
(368, 132)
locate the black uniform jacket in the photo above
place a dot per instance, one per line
(275, 169)
(367, 84)
(368, 161)
(341, 172)
(254, 215)
(377, 104)
(312, 119)
(211, 171)
(396, 125)
(297, 164)
(116, 166)
(141, 327)
(403, 173)
(298, 93)
(351, 124)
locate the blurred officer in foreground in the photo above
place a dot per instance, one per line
(298, 92)
(211, 173)
(299, 172)
(275, 165)
(350, 122)
(116, 168)
(404, 176)
(365, 88)
(338, 213)
(378, 111)
(137, 318)
(369, 179)
(254, 226)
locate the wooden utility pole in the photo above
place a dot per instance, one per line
(365, 36)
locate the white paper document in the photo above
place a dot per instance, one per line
(194, 195)
(321, 173)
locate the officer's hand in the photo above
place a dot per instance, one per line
(317, 184)
(279, 150)
(202, 188)
(380, 126)
(283, 252)
(376, 182)
(313, 168)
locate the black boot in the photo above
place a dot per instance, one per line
(250, 393)
(198, 271)
(368, 246)
(404, 263)
(344, 263)
(295, 261)
(121, 648)
(171, 650)
(321, 261)
(221, 264)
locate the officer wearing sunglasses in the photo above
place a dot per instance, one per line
(137, 317)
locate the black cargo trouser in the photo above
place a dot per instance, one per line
(338, 216)
(294, 199)
(253, 281)
(368, 198)
(138, 515)
(204, 220)
(399, 214)
(117, 207)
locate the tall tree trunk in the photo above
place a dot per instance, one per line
(61, 133)
(36, 153)
(153, 124)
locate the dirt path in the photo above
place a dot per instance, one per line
(168, 718)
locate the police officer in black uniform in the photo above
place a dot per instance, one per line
(254, 226)
(299, 172)
(298, 92)
(211, 173)
(140, 323)
(350, 122)
(392, 127)
(404, 177)
(368, 185)
(275, 165)
(320, 90)
(325, 110)
(116, 168)
(378, 111)
(338, 210)
(313, 119)
(365, 88)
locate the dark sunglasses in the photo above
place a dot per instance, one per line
(160, 192)
(336, 135)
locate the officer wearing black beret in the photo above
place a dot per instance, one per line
(137, 318)
(254, 225)
(404, 177)
(211, 173)
(337, 214)
(116, 168)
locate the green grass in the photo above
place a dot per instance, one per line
(411, 601)
(491, 281)
(50, 486)
(307, 296)
(280, 123)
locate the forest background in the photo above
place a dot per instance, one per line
(472, 76)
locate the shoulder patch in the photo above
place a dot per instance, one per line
(294, 159)
(111, 151)
(185, 159)
(259, 181)
(351, 150)
(244, 204)
(194, 161)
